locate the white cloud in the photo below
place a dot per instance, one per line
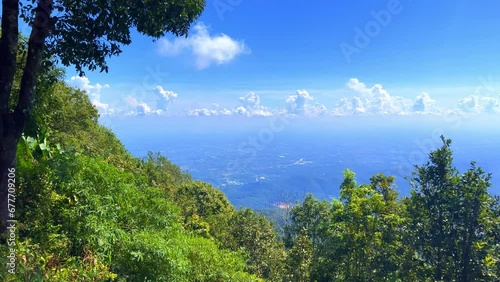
(143, 108)
(164, 97)
(477, 104)
(202, 112)
(298, 100)
(225, 112)
(491, 105)
(377, 100)
(214, 111)
(242, 111)
(358, 106)
(140, 107)
(250, 100)
(359, 87)
(423, 103)
(158, 103)
(315, 110)
(298, 104)
(369, 100)
(93, 91)
(249, 106)
(207, 49)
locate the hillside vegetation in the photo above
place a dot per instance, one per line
(89, 211)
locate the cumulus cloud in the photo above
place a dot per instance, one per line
(360, 87)
(214, 111)
(163, 97)
(94, 92)
(140, 107)
(423, 103)
(143, 108)
(477, 104)
(202, 112)
(358, 106)
(249, 106)
(250, 100)
(350, 106)
(491, 105)
(315, 110)
(299, 104)
(205, 112)
(296, 103)
(157, 103)
(377, 100)
(207, 49)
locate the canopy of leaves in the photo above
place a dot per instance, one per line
(85, 33)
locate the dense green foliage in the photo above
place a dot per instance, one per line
(83, 34)
(446, 231)
(89, 211)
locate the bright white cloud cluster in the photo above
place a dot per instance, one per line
(157, 103)
(377, 100)
(138, 107)
(164, 97)
(249, 106)
(94, 92)
(207, 49)
(424, 103)
(477, 104)
(372, 100)
(214, 111)
(298, 104)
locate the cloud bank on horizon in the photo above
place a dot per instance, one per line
(364, 100)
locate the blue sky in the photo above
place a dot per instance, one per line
(344, 57)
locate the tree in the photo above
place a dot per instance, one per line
(81, 33)
(368, 224)
(310, 218)
(354, 238)
(202, 199)
(300, 259)
(452, 219)
(310, 227)
(254, 234)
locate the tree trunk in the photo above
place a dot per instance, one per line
(12, 123)
(8, 55)
(8, 146)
